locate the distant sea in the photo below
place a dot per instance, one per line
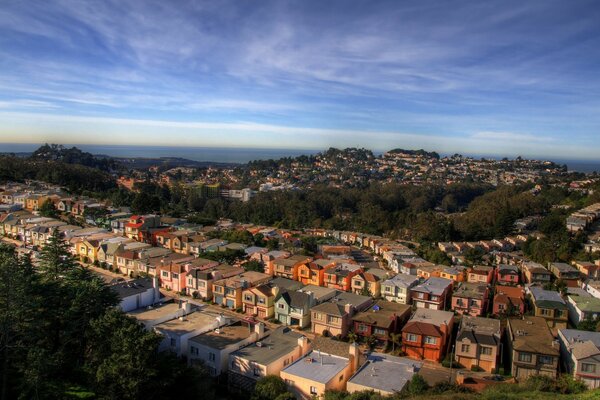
(225, 154)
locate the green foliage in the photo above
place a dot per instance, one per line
(228, 256)
(48, 210)
(254, 265)
(417, 385)
(270, 388)
(589, 325)
(234, 236)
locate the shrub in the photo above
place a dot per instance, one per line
(417, 385)
(566, 384)
(195, 294)
(449, 362)
(476, 368)
(540, 383)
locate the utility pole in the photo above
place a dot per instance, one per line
(451, 363)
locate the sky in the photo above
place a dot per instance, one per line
(476, 77)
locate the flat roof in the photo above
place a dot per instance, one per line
(156, 312)
(318, 366)
(279, 343)
(531, 334)
(189, 323)
(224, 336)
(386, 373)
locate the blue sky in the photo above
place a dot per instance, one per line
(483, 77)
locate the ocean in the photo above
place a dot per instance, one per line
(224, 154)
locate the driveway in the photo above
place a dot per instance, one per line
(435, 373)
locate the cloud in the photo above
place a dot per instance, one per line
(512, 136)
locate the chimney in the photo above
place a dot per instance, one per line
(354, 357)
(303, 343)
(348, 308)
(259, 329)
(275, 291)
(187, 308)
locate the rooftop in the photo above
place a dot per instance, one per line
(547, 298)
(586, 303)
(480, 330)
(470, 290)
(318, 366)
(224, 336)
(189, 323)
(531, 334)
(159, 311)
(435, 317)
(402, 280)
(131, 288)
(434, 285)
(381, 313)
(385, 372)
(276, 345)
(318, 292)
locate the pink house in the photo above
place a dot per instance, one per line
(173, 276)
(507, 274)
(470, 299)
(480, 274)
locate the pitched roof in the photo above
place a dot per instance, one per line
(531, 334)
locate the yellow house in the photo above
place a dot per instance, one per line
(228, 292)
(456, 274)
(87, 250)
(260, 301)
(328, 366)
(34, 202)
(371, 282)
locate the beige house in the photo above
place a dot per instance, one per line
(478, 343)
(328, 366)
(334, 317)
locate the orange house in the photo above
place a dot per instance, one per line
(313, 273)
(426, 335)
(288, 267)
(340, 277)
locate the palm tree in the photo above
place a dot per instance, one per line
(396, 340)
(352, 337)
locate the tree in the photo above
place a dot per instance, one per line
(396, 339)
(254, 265)
(48, 210)
(269, 388)
(417, 385)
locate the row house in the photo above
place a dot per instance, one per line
(177, 241)
(294, 307)
(367, 283)
(583, 307)
(580, 355)
(171, 269)
(228, 292)
(288, 267)
(381, 320)
(426, 336)
(313, 273)
(207, 246)
(456, 273)
(470, 298)
(551, 306)
(334, 317)
(535, 273)
(509, 300)
(429, 271)
(592, 287)
(340, 276)
(132, 258)
(507, 274)
(478, 343)
(149, 262)
(532, 348)
(139, 223)
(481, 274)
(200, 280)
(566, 273)
(398, 288)
(588, 270)
(434, 293)
(267, 259)
(260, 300)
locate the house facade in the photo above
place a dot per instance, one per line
(478, 343)
(427, 334)
(434, 293)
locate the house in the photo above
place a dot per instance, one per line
(313, 273)
(535, 273)
(228, 292)
(456, 274)
(532, 348)
(200, 281)
(293, 308)
(334, 317)
(426, 336)
(478, 343)
(434, 293)
(267, 259)
(212, 349)
(583, 308)
(138, 223)
(588, 270)
(319, 293)
(550, 305)
(173, 275)
(580, 355)
(137, 293)
(288, 267)
(592, 287)
(268, 357)
(509, 300)
(259, 301)
(340, 276)
(381, 320)
(507, 274)
(480, 274)
(428, 271)
(328, 366)
(366, 283)
(470, 298)
(399, 288)
(383, 374)
(566, 273)
(177, 332)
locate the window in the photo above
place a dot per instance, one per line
(434, 298)
(281, 306)
(261, 300)
(211, 356)
(430, 340)
(193, 350)
(247, 297)
(486, 351)
(546, 359)
(500, 307)
(175, 276)
(173, 342)
(332, 320)
(591, 368)
(256, 371)
(165, 274)
(525, 357)
(313, 390)
(411, 337)
(545, 312)
(362, 328)
(465, 348)
(388, 289)
(357, 283)
(379, 331)
(421, 295)
(318, 316)
(341, 377)
(286, 362)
